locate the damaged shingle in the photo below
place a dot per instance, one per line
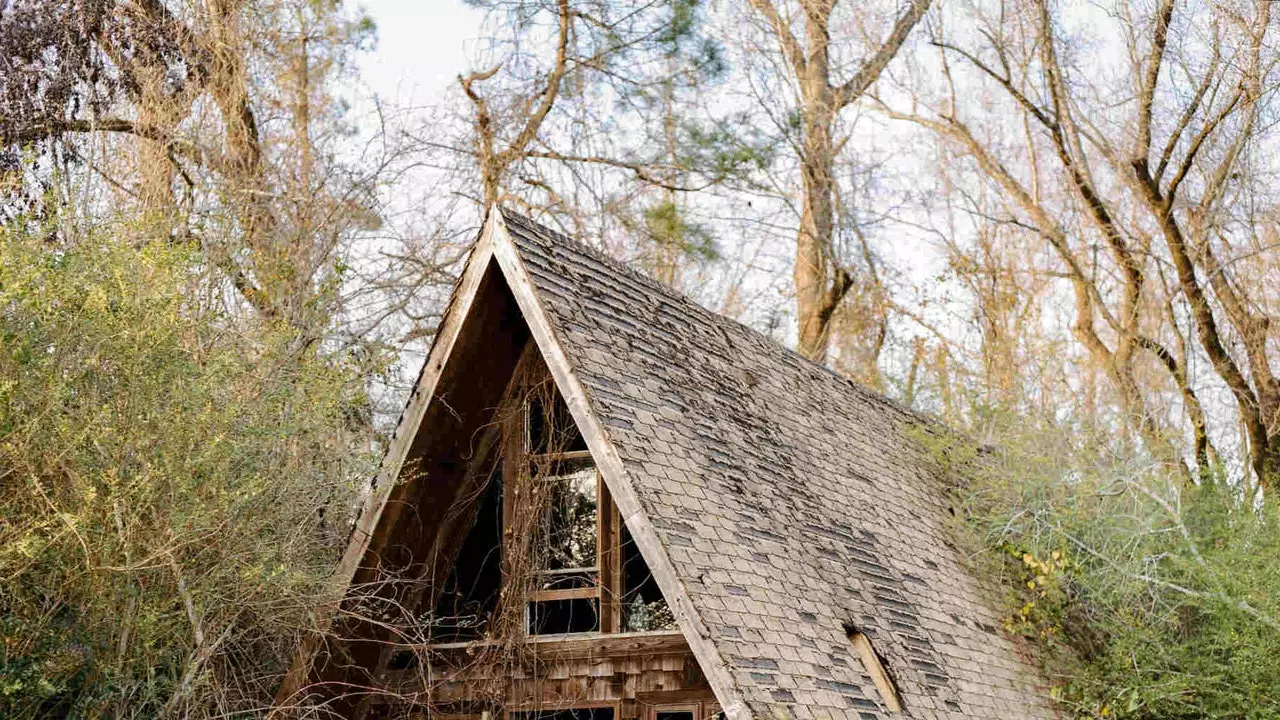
(811, 494)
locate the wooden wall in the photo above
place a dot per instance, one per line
(631, 672)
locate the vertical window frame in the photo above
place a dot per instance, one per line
(518, 456)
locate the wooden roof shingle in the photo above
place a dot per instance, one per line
(792, 504)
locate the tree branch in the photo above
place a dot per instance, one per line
(642, 172)
(791, 49)
(871, 69)
(550, 91)
(38, 131)
(1147, 88)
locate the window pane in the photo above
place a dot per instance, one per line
(555, 617)
(673, 715)
(569, 521)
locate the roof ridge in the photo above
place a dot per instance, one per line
(637, 274)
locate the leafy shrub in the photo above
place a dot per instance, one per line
(174, 481)
(1149, 594)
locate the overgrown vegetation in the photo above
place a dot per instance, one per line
(1055, 209)
(174, 482)
(1149, 595)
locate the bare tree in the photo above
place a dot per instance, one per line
(1138, 212)
(166, 102)
(821, 279)
(586, 114)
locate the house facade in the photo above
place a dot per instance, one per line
(604, 502)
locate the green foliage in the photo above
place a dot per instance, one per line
(684, 28)
(725, 152)
(644, 616)
(166, 471)
(666, 225)
(1150, 596)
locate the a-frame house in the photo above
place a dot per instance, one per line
(604, 502)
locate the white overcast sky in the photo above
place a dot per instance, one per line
(422, 46)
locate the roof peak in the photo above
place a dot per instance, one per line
(787, 500)
(545, 232)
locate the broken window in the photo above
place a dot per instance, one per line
(644, 608)
(556, 617)
(565, 592)
(549, 427)
(569, 520)
(565, 596)
(584, 573)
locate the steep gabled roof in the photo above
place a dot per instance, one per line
(778, 505)
(791, 503)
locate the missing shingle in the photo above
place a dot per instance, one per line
(876, 667)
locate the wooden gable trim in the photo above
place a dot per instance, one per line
(386, 485)
(610, 465)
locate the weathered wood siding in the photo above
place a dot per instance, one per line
(630, 672)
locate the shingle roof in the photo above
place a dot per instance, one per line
(792, 503)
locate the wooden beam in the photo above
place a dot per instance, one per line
(582, 593)
(876, 671)
(610, 464)
(561, 456)
(570, 705)
(609, 552)
(675, 697)
(579, 646)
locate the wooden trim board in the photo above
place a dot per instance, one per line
(876, 671)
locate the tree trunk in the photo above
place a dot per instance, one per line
(813, 242)
(814, 305)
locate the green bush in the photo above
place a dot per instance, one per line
(1149, 594)
(174, 482)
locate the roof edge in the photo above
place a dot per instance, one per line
(384, 481)
(611, 468)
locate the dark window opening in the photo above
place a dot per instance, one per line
(550, 428)
(643, 606)
(570, 579)
(403, 660)
(471, 592)
(673, 715)
(598, 713)
(555, 617)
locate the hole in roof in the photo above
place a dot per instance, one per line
(875, 666)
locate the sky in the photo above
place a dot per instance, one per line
(422, 46)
